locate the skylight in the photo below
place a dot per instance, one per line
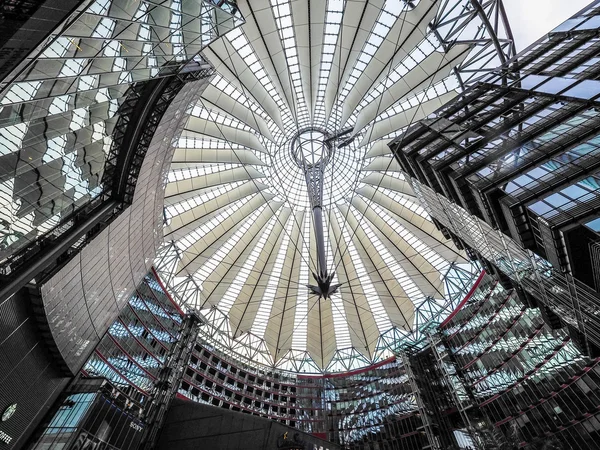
(322, 85)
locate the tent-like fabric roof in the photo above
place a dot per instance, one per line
(239, 233)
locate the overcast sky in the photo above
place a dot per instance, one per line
(530, 19)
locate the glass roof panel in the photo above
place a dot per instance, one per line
(302, 105)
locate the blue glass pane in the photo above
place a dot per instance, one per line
(556, 85)
(540, 208)
(583, 149)
(591, 24)
(537, 172)
(510, 188)
(531, 81)
(568, 25)
(587, 89)
(550, 166)
(594, 224)
(523, 180)
(69, 417)
(557, 200)
(574, 192)
(590, 182)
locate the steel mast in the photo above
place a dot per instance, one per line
(312, 150)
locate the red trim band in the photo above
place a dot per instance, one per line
(166, 292)
(464, 300)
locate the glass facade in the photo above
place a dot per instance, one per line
(355, 409)
(121, 381)
(25, 23)
(527, 379)
(511, 168)
(65, 423)
(60, 113)
(541, 284)
(493, 366)
(83, 299)
(95, 415)
(136, 346)
(521, 151)
(363, 409)
(92, 108)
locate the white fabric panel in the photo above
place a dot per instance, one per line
(418, 225)
(425, 276)
(243, 311)
(405, 35)
(217, 283)
(278, 335)
(217, 100)
(379, 148)
(383, 164)
(209, 128)
(189, 156)
(358, 21)
(213, 179)
(177, 198)
(188, 263)
(300, 14)
(317, 29)
(379, 179)
(363, 329)
(321, 340)
(398, 121)
(432, 69)
(261, 31)
(321, 344)
(183, 223)
(427, 232)
(398, 306)
(242, 78)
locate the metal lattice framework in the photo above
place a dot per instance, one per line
(241, 241)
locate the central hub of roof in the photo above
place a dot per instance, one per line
(311, 147)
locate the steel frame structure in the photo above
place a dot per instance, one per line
(493, 40)
(434, 443)
(543, 255)
(251, 349)
(134, 132)
(491, 43)
(139, 115)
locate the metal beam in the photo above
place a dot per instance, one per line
(48, 256)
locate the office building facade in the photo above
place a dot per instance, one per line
(127, 379)
(85, 89)
(508, 170)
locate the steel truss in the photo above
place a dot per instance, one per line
(139, 117)
(493, 42)
(456, 388)
(483, 26)
(252, 350)
(434, 443)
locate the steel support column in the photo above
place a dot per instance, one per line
(318, 225)
(167, 384)
(461, 406)
(427, 425)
